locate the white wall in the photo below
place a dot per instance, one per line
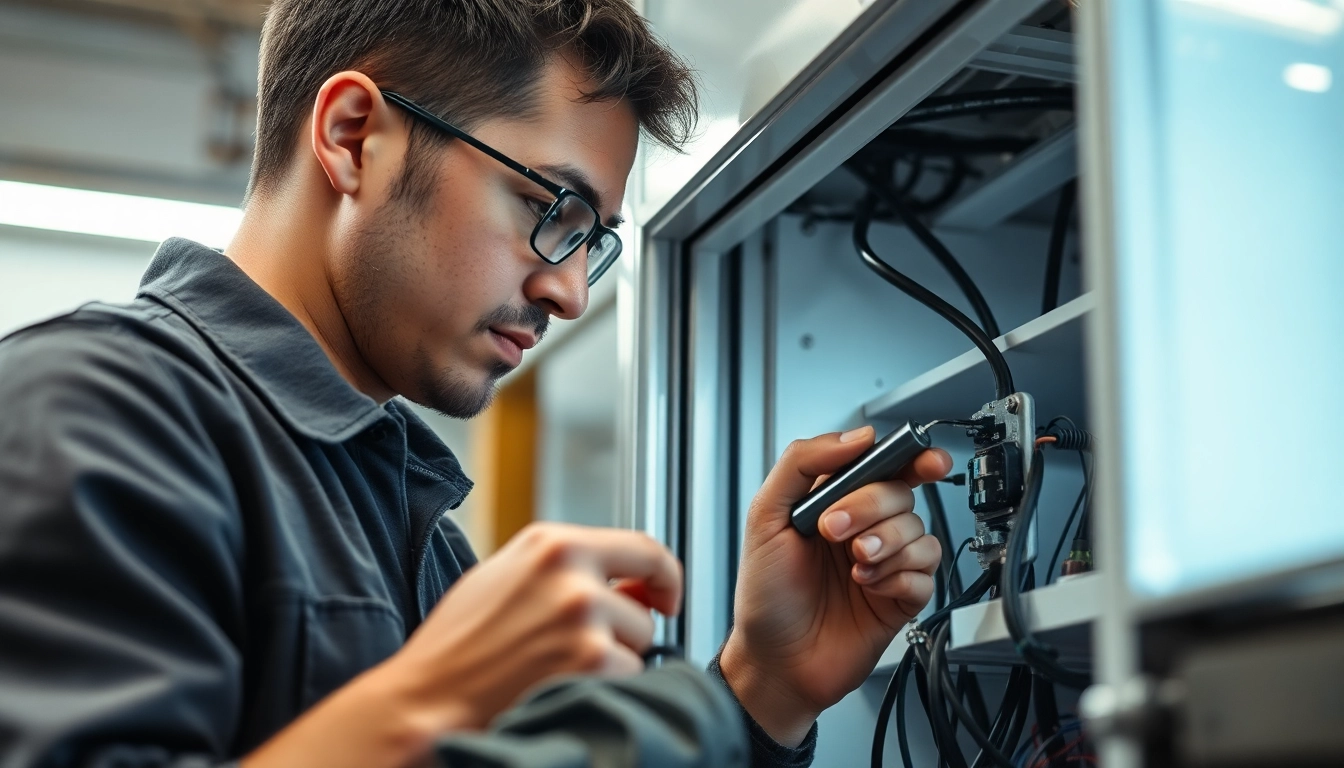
(45, 273)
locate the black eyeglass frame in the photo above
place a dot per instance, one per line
(559, 191)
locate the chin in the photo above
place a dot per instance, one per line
(452, 395)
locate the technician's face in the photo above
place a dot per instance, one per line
(443, 296)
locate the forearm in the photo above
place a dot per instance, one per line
(373, 722)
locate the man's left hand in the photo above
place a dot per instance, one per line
(812, 616)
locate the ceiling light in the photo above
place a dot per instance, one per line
(113, 215)
(1312, 78)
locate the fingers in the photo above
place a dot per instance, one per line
(919, 556)
(630, 622)
(928, 467)
(620, 661)
(910, 589)
(609, 553)
(865, 508)
(886, 539)
(803, 462)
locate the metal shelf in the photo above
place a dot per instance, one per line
(1061, 614)
(1046, 356)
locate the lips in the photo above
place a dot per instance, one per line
(520, 339)
(511, 344)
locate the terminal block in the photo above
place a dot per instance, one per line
(997, 473)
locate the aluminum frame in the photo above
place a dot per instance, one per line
(892, 57)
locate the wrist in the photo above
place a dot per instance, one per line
(378, 720)
(774, 706)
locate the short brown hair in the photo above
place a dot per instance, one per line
(468, 60)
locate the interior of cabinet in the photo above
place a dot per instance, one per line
(987, 161)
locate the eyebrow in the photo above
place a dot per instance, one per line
(577, 180)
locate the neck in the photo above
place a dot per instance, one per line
(283, 244)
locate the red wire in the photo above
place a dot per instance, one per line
(1044, 760)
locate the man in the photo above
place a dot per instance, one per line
(222, 537)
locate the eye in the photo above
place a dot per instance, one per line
(536, 207)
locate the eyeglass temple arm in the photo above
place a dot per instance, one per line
(458, 133)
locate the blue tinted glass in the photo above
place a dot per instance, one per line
(1231, 287)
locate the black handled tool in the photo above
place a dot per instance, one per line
(881, 462)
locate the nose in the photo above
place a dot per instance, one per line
(560, 289)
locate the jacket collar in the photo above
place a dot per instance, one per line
(261, 340)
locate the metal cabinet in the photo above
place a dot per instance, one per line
(750, 321)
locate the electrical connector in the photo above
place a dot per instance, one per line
(1079, 560)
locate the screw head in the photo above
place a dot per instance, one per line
(1013, 405)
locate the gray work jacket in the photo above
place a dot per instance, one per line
(204, 529)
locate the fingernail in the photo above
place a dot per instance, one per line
(838, 523)
(870, 545)
(864, 572)
(854, 434)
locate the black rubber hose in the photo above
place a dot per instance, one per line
(980, 102)
(1003, 377)
(1059, 236)
(934, 246)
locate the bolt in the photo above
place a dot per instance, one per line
(1012, 405)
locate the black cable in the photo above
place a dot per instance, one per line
(945, 144)
(944, 732)
(1059, 235)
(1085, 524)
(980, 102)
(951, 186)
(947, 579)
(916, 173)
(1016, 696)
(1003, 377)
(968, 686)
(1039, 656)
(1064, 534)
(895, 693)
(942, 682)
(938, 527)
(934, 246)
(1047, 708)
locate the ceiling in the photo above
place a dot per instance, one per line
(236, 14)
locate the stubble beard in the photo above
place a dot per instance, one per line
(365, 293)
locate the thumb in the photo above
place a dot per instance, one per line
(806, 460)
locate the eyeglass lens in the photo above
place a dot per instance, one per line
(567, 227)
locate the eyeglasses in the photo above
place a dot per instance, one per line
(570, 223)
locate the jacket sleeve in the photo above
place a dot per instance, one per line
(119, 560)
(765, 751)
(671, 717)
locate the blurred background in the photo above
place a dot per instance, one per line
(125, 122)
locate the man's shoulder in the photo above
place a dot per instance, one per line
(95, 344)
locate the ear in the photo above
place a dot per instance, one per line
(350, 128)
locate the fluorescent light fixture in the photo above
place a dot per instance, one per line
(1299, 15)
(112, 215)
(1312, 78)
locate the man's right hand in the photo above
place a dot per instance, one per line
(556, 599)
